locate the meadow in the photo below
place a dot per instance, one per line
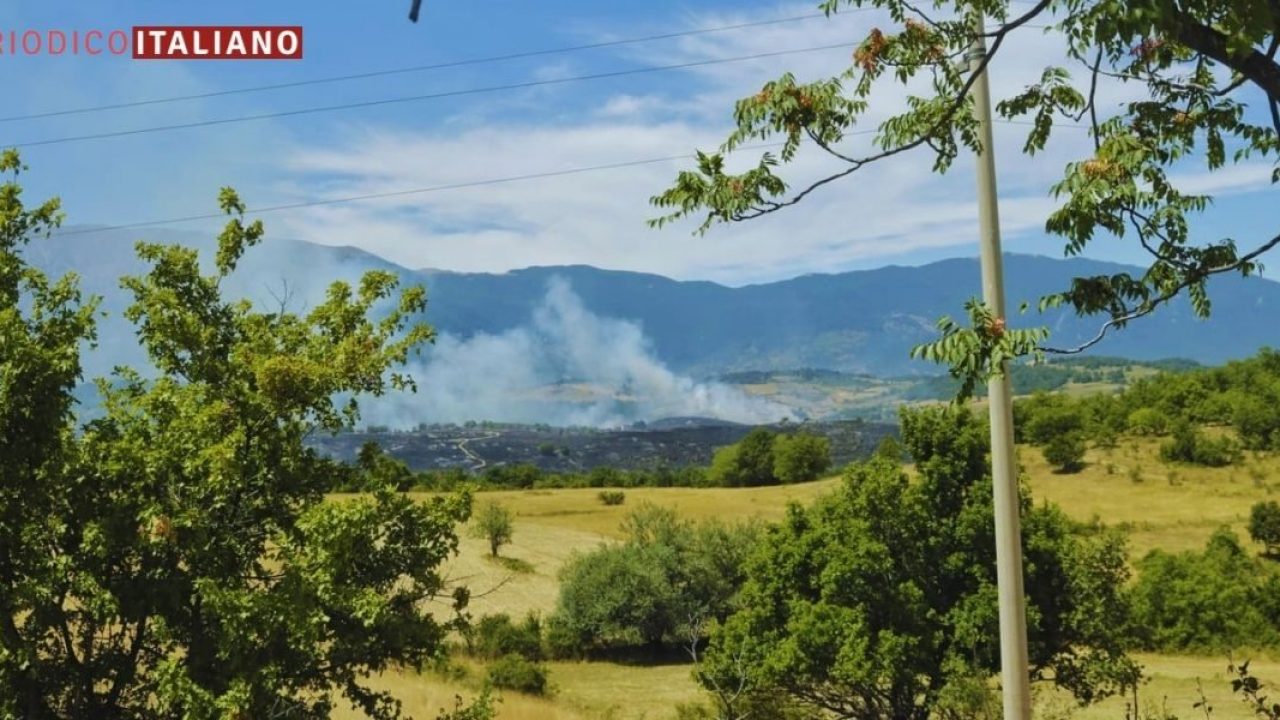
(1175, 507)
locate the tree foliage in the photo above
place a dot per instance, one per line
(881, 599)
(1189, 444)
(1264, 525)
(667, 578)
(1066, 451)
(1215, 600)
(800, 457)
(1204, 87)
(764, 457)
(494, 524)
(175, 557)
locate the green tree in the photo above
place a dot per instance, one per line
(616, 594)
(1147, 421)
(1206, 91)
(176, 557)
(1264, 525)
(668, 578)
(494, 524)
(1256, 417)
(377, 469)
(1066, 451)
(746, 463)
(876, 600)
(1209, 601)
(1189, 445)
(800, 457)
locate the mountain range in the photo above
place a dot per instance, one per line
(862, 321)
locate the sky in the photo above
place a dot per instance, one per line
(895, 213)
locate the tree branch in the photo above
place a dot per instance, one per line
(1149, 306)
(956, 103)
(1260, 69)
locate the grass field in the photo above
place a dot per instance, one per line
(1171, 507)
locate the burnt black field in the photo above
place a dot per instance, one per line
(671, 443)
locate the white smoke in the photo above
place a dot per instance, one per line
(567, 366)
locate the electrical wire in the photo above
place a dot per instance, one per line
(413, 68)
(418, 98)
(449, 186)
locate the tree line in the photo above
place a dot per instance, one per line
(762, 457)
(1242, 395)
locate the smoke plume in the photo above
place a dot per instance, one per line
(566, 366)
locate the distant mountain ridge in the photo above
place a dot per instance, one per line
(862, 321)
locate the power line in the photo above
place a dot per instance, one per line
(417, 98)
(451, 186)
(413, 191)
(415, 68)
(436, 66)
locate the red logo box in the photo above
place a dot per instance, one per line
(217, 42)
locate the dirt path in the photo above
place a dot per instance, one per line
(479, 461)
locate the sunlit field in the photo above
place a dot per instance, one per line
(1174, 507)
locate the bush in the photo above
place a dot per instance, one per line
(1066, 451)
(495, 636)
(1264, 525)
(1053, 422)
(648, 589)
(1189, 445)
(612, 497)
(512, 672)
(1147, 421)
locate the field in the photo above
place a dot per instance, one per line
(1172, 507)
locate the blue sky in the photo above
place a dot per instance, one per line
(897, 213)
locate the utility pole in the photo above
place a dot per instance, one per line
(1015, 679)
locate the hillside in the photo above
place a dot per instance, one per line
(579, 345)
(856, 322)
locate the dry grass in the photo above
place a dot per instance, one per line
(1173, 507)
(550, 525)
(579, 509)
(424, 696)
(1174, 680)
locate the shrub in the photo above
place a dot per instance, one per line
(667, 573)
(495, 636)
(1066, 451)
(1147, 421)
(1189, 445)
(616, 594)
(479, 709)
(512, 672)
(612, 497)
(1264, 525)
(1053, 422)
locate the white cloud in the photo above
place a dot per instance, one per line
(599, 217)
